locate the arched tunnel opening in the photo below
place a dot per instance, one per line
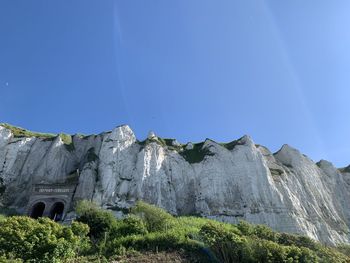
(56, 212)
(37, 210)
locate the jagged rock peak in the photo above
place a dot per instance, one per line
(151, 135)
(324, 163)
(189, 146)
(289, 156)
(287, 149)
(327, 167)
(123, 132)
(246, 139)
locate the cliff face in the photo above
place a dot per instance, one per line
(228, 182)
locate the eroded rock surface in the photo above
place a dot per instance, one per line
(228, 182)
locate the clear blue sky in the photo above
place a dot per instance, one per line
(190, 69)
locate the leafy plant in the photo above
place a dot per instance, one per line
(40, 240)
(100, 221)
(155, 218)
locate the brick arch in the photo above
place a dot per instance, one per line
(51, 194)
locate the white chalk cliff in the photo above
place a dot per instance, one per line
(238, 180)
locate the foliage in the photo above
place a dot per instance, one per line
(132, 225)
(227, 246)
(155, 218)
(344, 248)
(20, 132)
(151, 229)
(68, 141)
(297, 240)
(2, 217)
(100, 221)
(245, 228)
(40, 240)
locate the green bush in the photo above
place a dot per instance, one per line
(82, 230)
(245, 228)
(40, 240)
(149, 228)
(154, 241)
(226, 245)
(264, 232)
(344, 248)
(100, 221)
(331, 255)
(297, 240)
(132, 225)
(155, 218)
(7, 259)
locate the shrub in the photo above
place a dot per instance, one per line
(132, 225)
(226, 245)
(344, 248)
(329, 255)
(154, 241)
(100, 221)
(40, 240)
(268, 251)
(81, 230)
(155, 218)
(299, 241)
(264, 232)
(245, 228)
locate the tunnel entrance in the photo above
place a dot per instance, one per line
(56, 212)
(37, 210)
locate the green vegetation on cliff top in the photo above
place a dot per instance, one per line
(194, 155)
(20, 132)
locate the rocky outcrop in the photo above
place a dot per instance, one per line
(229, 182)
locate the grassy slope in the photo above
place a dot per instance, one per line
(20, 132)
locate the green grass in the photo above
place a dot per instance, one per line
(20, 132)
(68, 142)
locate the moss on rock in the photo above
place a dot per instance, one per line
(68, 142)
(196, 154)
